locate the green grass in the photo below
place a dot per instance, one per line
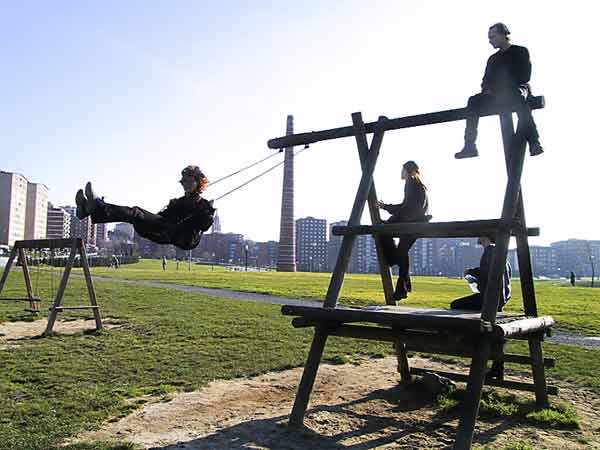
(53, 388)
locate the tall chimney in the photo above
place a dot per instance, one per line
(287, 230)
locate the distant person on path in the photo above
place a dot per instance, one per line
(474, 301)
(115, 261)
(505, 82)
(414, 208)
(179, 223)
(164, 263)
(572, 276)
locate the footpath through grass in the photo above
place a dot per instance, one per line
(54, 388)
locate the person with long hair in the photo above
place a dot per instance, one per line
(414, 208)
(180, 223)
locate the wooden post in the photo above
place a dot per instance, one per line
(9, 263)
(523, 254)
(308, 377)
(466, 424)
(61, 290)
(27, 277)
(90, 284)
(363, 151)
(538, 371)
(337, 278)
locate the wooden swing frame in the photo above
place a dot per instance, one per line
(76, 248)
(479, 336)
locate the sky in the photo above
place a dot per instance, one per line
(127, 93)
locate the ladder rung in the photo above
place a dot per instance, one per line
(21, 299)
(468, 228)
(62, 308)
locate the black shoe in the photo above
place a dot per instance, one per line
(535, 148)
(468, 151)
(80, 201)
(91, 198)
(496, 372)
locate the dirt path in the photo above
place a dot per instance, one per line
(352, 407)
(13, 332)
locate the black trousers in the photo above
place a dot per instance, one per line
(398, 254)
(526, 126)
(473, 302)
(146, 224)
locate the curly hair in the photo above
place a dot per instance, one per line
(413, 171)
(198, 175)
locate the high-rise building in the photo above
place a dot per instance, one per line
(266, 253)
(216, 226)
(576, 255)
(36, 216)
(13, 207)
(81, 228)
(286, 261)
(125, 229)
(101, 234)
(334, 244)
(364, 255)
(58, 224)
(311, 244)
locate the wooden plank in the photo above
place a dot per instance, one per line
(526, 360)
(538, 372)
(372, 200)
(21, 299)
(26, 275)
(392, 124)
(401, 317)
(308, 378)
(523, 327)
(90, 285)
(345, 252)
(465, 228)
(63, 308)
(516, 385)
(45, 243)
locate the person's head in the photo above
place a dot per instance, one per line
(193, 180)
(499, 35)
(410, 169)
(486, 240)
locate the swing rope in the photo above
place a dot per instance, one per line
(257, 176)
(244, 168)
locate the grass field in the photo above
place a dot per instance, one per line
(53, 388)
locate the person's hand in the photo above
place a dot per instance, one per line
(380, 204)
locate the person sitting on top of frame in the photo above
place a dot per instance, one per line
(474, 301)
(505, 83)
(179, 223)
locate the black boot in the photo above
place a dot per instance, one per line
(468, 151)
(81, 212)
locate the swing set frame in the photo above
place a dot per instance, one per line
(77, 248)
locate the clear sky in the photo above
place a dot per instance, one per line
(126, 93)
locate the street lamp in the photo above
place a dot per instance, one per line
(246, 258)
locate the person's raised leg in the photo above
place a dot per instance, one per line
(471, 302)
(473, 110)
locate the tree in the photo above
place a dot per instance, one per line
(591, 259)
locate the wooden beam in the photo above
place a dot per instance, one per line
(466, 228)
(516, 385)
(450, 115)
(45, 243)
(523, 327)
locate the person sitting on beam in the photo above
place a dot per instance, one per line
(505, 84)
(179, 223)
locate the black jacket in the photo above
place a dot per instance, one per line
(415, 206)
(507, 70)
(482, 273)
(189, 215)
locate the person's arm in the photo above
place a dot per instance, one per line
(487, 77)
(200, 219)
(169, 211)
(521, 66)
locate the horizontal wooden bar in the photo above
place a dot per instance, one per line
(391, 124)
(516, 385)
(46, 243)
(466, 228)
(526, 360)
(21, 299)
(523, 327)
(401, 317)
(62, 308)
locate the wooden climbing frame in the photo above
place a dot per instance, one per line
(480, 336)
(77, 248)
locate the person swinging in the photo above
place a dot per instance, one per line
(180, 223)
(414, 208)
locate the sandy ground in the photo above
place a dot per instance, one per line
(13, 332)
(352, 407)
